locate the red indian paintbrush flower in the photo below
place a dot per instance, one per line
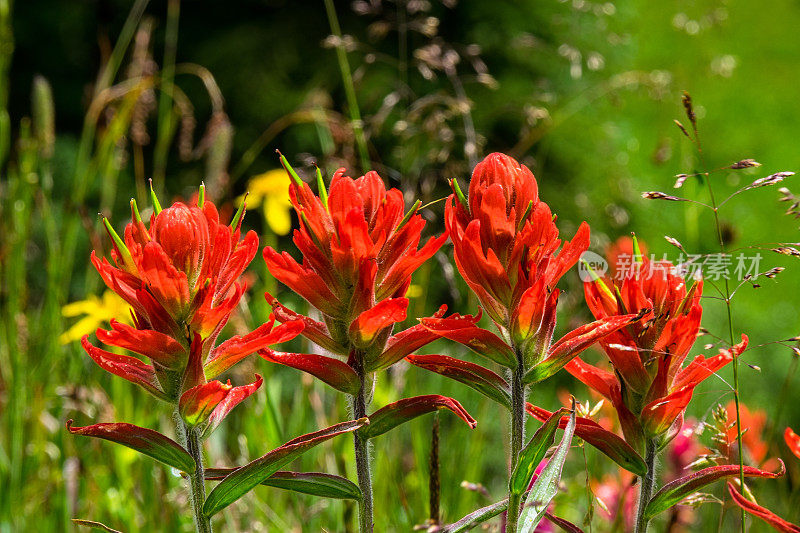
(180, 277)
(507, 248)
(650, 387)
(359, 251)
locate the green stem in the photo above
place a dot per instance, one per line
(349, 88)
(517, 438)
(362, 457)
(197, 485)
(646, 486)
(735, 361)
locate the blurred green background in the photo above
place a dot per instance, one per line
(97, 96)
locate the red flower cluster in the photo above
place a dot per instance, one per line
(507, 248)
(650, 388)
(180, 277)
(359, 251)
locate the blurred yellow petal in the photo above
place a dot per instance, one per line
(276, 211)
(270, 191)
(83, 307)
(94, 312)
(85, 326)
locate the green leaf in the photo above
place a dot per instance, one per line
(546, 485)
(675, 491)
(475, 376)
(240, 482)
(533, 453)
(143, 440)
(603, 440)
(406, 409)
(313, 483)
(476, 517)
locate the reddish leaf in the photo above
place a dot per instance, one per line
(479, 340)
(611, 444)
(404, 343)
(240, 482)
(406, 409)
(565, 525)
(332, 371)
(762, 512)
(675, 491)
(235, 396)
(479, 378)
(159, 347)
(573, 343)
(237, 348)
(143, 440)
(210, 402)
(368, 324)
(313, 483)
(314, 330)
(126, 367)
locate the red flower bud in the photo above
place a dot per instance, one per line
(182, 232)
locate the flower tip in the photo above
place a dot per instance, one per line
(292, 174)
(201, 196)
(154, 198)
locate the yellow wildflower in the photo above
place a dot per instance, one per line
(270, 190)
(95, 312)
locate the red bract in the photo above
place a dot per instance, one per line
(359, 251)
(506, 247)
(650, 388)
(792, 441)
(180, 277)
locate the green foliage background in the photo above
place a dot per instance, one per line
(583, 92)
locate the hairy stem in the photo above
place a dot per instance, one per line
(362, 457)
(646, 486)
(197, 483)
(517, 438)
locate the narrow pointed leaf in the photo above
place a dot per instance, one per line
(545, 487)
(763, 513)
(476, 518)
(479, 340)
(143, 440)
(675, 491)
(240, 482)
(407, 409)
(610, 444)
(332, 371)
(573, 343)
(533, 453)
(565, 525)
(94, 525)
(313, 483)
(475, 376)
